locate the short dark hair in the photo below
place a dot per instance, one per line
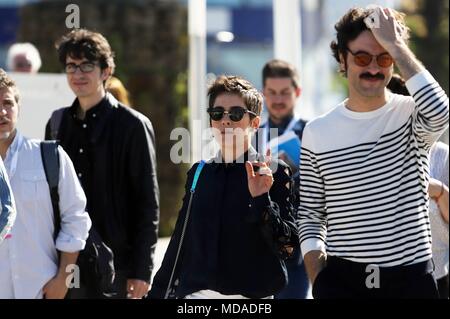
(7, 82)
(280, 69)
(82, 43)
(352, 24)
(236, 85)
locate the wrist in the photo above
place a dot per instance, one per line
(441, 192)
(398, 50)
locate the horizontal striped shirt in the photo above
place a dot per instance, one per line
(364, 178)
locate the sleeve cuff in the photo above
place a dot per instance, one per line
(312, 244)
(261, 201)
(68, 243)
(257, 206)
(418, 81)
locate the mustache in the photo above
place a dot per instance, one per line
(278, 105)
(367, 75)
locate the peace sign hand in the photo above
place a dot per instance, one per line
(260, 182)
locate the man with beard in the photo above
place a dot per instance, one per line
(281, 88)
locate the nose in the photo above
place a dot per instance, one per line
(278, 98)
(78, 71)
(226, 120)
(3, 111)
(373, 67)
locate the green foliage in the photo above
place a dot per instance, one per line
(428, 21)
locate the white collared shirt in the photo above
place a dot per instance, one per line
(28, 258)
(7, 206)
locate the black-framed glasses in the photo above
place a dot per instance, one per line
(84, 67)
(363, 58)
(236, 113)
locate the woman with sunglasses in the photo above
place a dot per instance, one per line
(240, 224)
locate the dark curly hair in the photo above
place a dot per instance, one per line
(352, 24)
(82, 43)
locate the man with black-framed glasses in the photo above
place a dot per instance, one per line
(113, 151)
(364, 172)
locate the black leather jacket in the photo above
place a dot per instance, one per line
(113, 151)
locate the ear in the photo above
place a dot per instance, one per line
(255, 122)
(342, 64)
(106, 73)
(298, 92)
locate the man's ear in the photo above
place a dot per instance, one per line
(298, 92)
(342, 64)
(106, 73)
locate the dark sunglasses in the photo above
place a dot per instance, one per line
(362, 58)
(236, 113)
(85, 67)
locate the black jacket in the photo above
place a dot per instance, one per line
(113, 151)
(233, 241)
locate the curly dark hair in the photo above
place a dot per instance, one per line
(236, 85)
(7, 82)
(82, 43)
(397, 85)
(352, 24)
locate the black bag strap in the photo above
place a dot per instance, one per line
(50, 160)
(55, 122)
(183, 231)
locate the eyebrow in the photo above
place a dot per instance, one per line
(363, 51)
(282, 90)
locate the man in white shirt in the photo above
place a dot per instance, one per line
(364, 172)
(28, 257)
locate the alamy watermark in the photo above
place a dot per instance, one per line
(230, 142)
(73, 19)
(373, 279)
(73, 279)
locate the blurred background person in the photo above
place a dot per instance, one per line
(23, 57)
(438, 192)
(281, 88)
(118, 90)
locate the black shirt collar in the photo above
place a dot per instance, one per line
(97, 111)
(96, 117)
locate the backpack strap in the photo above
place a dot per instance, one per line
(55, 122)
(50, 160)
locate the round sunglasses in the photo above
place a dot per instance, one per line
(236, 113)
(362, 58)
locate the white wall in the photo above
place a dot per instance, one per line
(40, 94)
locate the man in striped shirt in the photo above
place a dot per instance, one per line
(364, 171)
